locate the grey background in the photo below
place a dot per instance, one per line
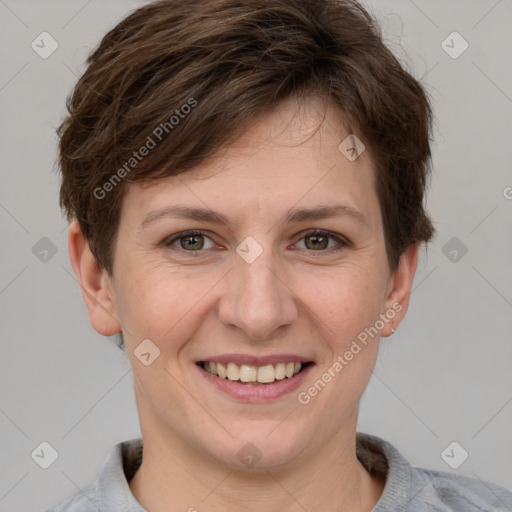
(444, 376)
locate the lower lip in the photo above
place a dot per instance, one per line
(257, 393)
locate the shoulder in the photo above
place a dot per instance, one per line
(85, 500)
(443, 491)
(416, 489)
(110, 492)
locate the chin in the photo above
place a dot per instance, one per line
(261, 448)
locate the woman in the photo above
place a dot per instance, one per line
(246, 181)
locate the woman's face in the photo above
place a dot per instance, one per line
(256, 288)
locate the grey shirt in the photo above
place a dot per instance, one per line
(407, 489)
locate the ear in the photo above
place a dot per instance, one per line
(95, 283)
(399, 290)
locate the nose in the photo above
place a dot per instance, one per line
(257, 300)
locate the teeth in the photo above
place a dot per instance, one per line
(233, 371)
(213, 368)
(221, 370)
(266, 374)
(281, 371)
(249, 373)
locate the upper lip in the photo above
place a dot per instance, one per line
(240, 359)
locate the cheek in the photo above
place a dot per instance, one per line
(155, 301)
(348, 301)
(349, 308)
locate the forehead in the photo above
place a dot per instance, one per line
(288, 156)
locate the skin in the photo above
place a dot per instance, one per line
(294, 298)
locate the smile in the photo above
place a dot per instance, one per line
(255, 379)
(251, 374)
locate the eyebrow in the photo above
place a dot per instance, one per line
(291, 216)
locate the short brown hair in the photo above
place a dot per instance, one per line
(196, 71)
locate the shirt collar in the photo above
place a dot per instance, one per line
(114, 494)
(377, 455)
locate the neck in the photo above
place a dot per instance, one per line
(172, 472)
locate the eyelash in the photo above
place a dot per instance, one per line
(168, 242)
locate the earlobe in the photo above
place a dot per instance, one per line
(94, 282)
(401, 282)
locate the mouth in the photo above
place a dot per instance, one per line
(254, 375)
(255, 380)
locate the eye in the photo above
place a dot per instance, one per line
(317, 240)
(190, 241)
